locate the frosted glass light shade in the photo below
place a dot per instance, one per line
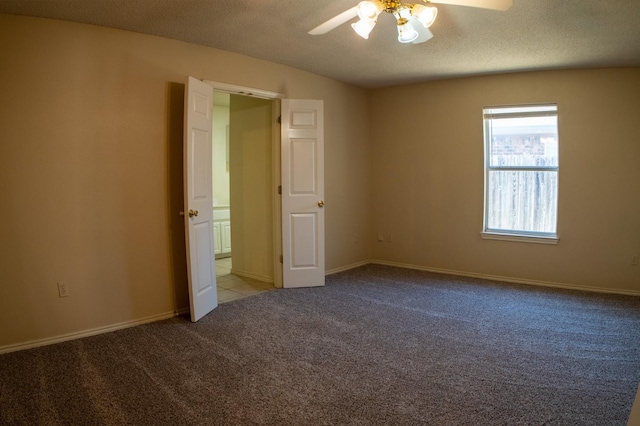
(425, 14)
(363, 27)
(406, 33)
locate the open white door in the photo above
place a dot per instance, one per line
(302, 193)
(198, 215)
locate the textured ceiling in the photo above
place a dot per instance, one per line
(532, 35)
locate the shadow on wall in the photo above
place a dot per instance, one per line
(177, 249)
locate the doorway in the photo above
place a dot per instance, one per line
(243, 194)
(297, 172)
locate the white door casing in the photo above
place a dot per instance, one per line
(198, 202)
(302, 193)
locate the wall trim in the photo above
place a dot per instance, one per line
(182, 311)
(257, 277)
(509, 279)
(347, 267)
(86, 333)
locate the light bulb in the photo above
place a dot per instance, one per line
(369, 10)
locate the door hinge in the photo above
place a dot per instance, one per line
(281, 259)
(279, 119)
(280, 189)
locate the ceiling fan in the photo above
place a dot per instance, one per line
(413, 20)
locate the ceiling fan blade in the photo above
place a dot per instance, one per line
(483, 4)
(336, 21)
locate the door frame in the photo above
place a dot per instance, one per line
(276, 164)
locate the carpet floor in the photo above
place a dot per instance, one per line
(376, 345)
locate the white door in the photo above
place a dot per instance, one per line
(302, 193)
(198, 203)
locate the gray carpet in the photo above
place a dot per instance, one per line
(377, 345)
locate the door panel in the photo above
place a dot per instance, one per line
(204, 246)
(226, 237)
(304, 246)
(217, 237)
(303, 163)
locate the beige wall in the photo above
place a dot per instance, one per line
(428, 177)
(252, 189)
(91, 171)
(220, 155)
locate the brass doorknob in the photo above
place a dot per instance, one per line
(320, 203)
(193, 213)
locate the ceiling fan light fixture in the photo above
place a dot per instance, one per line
(369, 10)
(363, 27)
(406, 15)
(406, 32)
(425, 14)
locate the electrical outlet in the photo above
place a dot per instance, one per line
(634, 260)
(389, 238)
(380, 237)
(63, 289)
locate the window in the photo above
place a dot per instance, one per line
(521, 173)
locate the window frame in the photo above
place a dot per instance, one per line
(488, 113)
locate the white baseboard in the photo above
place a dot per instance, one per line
(347, 267)
(86, 333)
(182, 311)
(509, 279)
(257, 277)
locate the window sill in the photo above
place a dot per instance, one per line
(537, 239)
